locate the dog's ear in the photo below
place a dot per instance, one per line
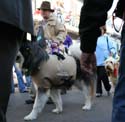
(108, 73)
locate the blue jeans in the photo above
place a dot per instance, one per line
(118, 114)
(21, 84)
(29, 81)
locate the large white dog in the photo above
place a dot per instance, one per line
(51, 74)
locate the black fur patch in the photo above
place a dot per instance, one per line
(82, 75)
(67, 84)
(79, 72)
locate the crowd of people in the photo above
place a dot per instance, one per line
(55, 35)
(66, 17)
(57, 42)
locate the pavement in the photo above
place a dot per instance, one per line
(73, 101)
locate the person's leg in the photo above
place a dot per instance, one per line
(12, 87)
(106, 81)
(7, 57)
(118, 114)
(2, 116)
(8, 50)
(21, 84)
(29, 81)
(99, 83)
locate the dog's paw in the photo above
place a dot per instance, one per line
(86, 107)
(30, 117)
(56, 111)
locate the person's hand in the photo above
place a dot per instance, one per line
(54, 45)
(62, 47)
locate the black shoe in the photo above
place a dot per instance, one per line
(24, 91)
(30, 101)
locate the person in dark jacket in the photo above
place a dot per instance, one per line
(93, 16)
(13, 26)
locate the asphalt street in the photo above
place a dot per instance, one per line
(73, 101)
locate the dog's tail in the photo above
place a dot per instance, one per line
(88, 80)
(86, 83)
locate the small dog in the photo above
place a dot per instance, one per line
(112, 66)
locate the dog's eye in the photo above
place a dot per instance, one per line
(111, 62)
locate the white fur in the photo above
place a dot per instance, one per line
(110, 63)
(88, 98)
(75, 51)
(41, 98)
(40, 101)
(111, 59)
(56, 97)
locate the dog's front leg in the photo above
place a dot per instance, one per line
(56, 97)
(40, 101)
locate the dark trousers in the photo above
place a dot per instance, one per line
(118, 114)
(102, 77)
(9, 46)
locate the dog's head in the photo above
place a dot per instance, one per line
(33, 54)
(111, 66)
